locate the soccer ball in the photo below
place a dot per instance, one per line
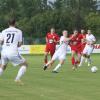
(94, 69)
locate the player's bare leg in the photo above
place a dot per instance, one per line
(73, 60)
(21, 72)
(2, 68)
(58, 66)
(51, 54)
(45, 57)
(48, 64)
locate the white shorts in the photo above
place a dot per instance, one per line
(59, 56)
(88, 49)
(15, 59)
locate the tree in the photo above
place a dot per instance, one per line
(93, 22)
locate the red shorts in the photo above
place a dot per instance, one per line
(50, 49)
(76, 49)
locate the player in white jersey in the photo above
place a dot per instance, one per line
(60, 53)
(12, 39)
(0, 50)
(90, 41)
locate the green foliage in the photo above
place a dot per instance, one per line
(80, 84)
(36, 17)
(93, 22)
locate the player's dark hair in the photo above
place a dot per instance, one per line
(12, 22)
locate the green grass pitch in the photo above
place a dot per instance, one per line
(44, 85)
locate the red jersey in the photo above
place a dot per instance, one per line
(75, 43)
(76, 40)
(52, 38)
(51, 41)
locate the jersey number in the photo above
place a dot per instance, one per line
(10, 38)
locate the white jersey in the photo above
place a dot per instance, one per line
(0, 45)
(63, 45)
(11, 36)
(89, 47)
(90, 38)
(61, 52)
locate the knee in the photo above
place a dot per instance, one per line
(25, 64)
(73, 54)
(84, 55)
(3, 67)
(46, 54)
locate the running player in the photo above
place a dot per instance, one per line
(90, 41)
(83, 33)
(60, 53)
(12, 39)
(76, 48)
(51, 40)
(0, 50)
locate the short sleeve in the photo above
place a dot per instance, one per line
(93, 38)
(20, 36)
(2, 36)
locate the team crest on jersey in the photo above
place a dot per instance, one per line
(77, 39)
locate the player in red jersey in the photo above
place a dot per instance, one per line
(83, 40)
(76, 47)
(51, 40)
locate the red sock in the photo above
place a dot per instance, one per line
(77, 62)
(73, 61)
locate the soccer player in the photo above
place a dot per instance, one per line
(12, 39)
(0, 50)
(83, 33)
(60, 53)
(90, 41)
(51, 40)
(76, 48)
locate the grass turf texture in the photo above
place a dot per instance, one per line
(40, 85)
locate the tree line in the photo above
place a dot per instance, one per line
(36, 17)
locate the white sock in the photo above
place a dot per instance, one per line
(81, 62)
(89, 60)
(48, 63)
(21, 72)
(86, 60)
(1, 71)
(57, 67)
